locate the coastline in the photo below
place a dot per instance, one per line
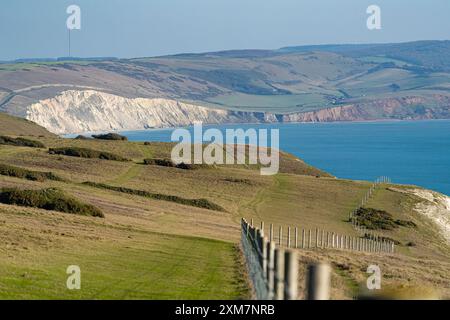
(385, 121)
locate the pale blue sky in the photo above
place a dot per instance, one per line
(136, 28)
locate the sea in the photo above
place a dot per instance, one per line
(408, 152)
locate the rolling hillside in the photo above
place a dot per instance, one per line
(154, 242)
(396, 81)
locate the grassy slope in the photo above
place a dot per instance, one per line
(140, 249)
(13, 126)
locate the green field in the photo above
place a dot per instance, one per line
(265, 103)
(136, 265)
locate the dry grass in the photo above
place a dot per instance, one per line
(14, 126)
(31, 239)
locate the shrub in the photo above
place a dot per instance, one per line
(187, 166)
(110, 136)
(48, 199)
(86, 153)
(171, 164)
(379, 219)
(21, 142)
(200, 203)
(147, 143)
(22, 173)
(81, 137)
(159, 162)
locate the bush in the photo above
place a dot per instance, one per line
(379, 219)
(186, 166)
(159, 162)
(48, 199)
(171, 164)
(147, 143)
(110, 136)
(86, 153)
(11, 171)
(81, 137)
(200, 203)
(21, 142)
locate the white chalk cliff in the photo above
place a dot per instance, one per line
(86, 111)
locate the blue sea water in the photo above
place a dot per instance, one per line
(409, 152)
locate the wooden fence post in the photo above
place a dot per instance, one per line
(317, 238)
(321, 239)
(318, 282)
(332, 240)
(296, 237)
(270, 268)
(288, 237)
(291, 275)
(279, 274)
(309, 239)
(280, 236)
(303, 239)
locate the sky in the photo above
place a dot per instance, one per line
(142, 28)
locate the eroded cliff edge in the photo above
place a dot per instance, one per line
(76, 111)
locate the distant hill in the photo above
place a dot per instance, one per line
(367, 78)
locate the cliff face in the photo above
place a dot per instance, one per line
(82, 111)
(407, 108)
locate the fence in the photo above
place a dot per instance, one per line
(273, 270)
(272, 262)
(296, 238)
(353, 217)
